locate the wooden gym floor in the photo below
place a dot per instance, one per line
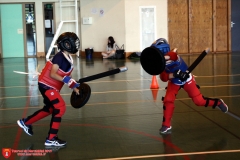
(123, 115)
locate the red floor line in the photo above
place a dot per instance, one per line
(19, 132)
(164, 141)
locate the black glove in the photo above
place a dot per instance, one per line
(183, 76)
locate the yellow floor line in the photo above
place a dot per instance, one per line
(111, 103)
(105, 92)
(171, 155)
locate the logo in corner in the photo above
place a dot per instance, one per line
(6, 152)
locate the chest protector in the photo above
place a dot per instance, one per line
(46, 79)
(172, 66)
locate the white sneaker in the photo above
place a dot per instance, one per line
(55, 141)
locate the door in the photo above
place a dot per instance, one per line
(147, 26)
(49, 25)
(12, 30)
(235, 25)
(30, 29)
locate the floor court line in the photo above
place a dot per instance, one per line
(166, 142)
(109, 103)
(143, 79)
(126, 91)
(233, 115)
(19, 130)
(229, 113)
(105, 92)
(171, 155)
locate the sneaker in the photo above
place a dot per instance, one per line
(165, 129)
(223, 107)
(27, 128)
(55, 141)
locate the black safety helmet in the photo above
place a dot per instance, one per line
(68, 41)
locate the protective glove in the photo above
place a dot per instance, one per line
(183, 76)
(70, 82)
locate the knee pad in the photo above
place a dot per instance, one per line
(59, 112)
(47, 109)
(59, 107)
(169, 99)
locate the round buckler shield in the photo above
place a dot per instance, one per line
(78, 101)
(152, 61)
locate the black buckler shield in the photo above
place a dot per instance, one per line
(152, 61)
(78, 101)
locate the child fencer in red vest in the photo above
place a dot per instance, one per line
(177, 77)
(54, 75)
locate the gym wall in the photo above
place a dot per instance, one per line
(196, 24)
(121, 19)
(190, 25)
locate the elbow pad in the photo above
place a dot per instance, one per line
(173, 55)
(164, 76)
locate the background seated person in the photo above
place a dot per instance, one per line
(111, 48)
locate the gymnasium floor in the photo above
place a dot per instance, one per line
(123, 115)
